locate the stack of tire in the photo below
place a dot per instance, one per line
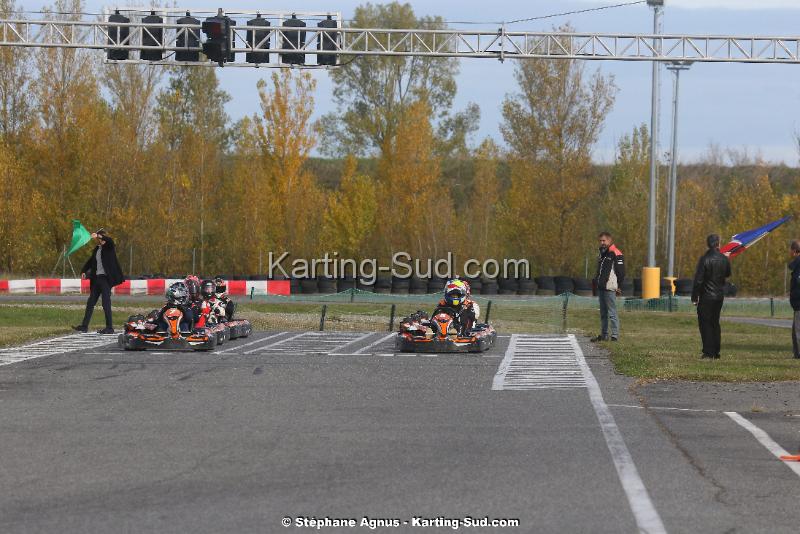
(326, 285)
(489, 286)
(295, 286)
(545, 285)
(665, 288)
(362, 285)
(563, 284)
(436, 284)
(583, 287)
(475, 285)
(508, 286)
(637, 287)
(418, 286)
(383, 284)
(345, 284)
(400, 286)
(308, 285)
(627, 287)
(683, 287)
(526, 286)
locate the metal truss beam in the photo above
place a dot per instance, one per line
(349, 42)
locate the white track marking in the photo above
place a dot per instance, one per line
(259, 340)
(308, 343)
(58, 345)
(361, 338)
(270, 345)
(669, 408)
(381, 340)
(538, 362)
(765, 440)
(644, 512)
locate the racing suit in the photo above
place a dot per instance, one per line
(465, 315)
(187, 321)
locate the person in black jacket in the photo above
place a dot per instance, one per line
(708, 293)
(103, 270)
(794, 295)
(609, 278)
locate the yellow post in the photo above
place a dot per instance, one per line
(671, 283)
(651, 282)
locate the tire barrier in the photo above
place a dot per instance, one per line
(683, 287)
(148, 286)
(563, 284)
(583, 287)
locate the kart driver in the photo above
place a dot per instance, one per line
(457, 303)
(211, 310)
(177, 297)
(226, 303)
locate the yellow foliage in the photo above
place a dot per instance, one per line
(351, 214)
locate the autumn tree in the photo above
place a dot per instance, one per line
(285, 194)
(752, 203)
(551, 125)
(15, 79)
(625, 199)
(483, 201)
(417, 215)
(192, 138)
(352, 213)
(373, 93)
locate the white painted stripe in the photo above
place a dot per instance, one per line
(21, 286)
(259, 340)
(360, 338)
(138, 287)
(381, 340)
(765, 440)
(644, 512)
(70, 285)
(663, 408)
(502, 369)
(277, 343)
(53, 346)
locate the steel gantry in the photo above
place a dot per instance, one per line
(276, 39)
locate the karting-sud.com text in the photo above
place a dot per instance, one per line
(401, 265)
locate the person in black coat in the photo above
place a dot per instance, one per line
(794, 295)
(708, 293)
(103, 270)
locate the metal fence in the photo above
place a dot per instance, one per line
(357, 310)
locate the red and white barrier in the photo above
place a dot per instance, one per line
(153, 286)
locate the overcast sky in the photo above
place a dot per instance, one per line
(752, 107)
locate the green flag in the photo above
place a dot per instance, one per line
(80, 236)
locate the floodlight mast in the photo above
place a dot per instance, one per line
(651, 274)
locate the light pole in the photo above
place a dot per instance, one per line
(651, 284)
(676, 67)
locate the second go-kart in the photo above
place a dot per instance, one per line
(418, 333)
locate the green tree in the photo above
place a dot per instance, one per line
(15, 67)
(373, 93)
(351, 215)
(551, 125)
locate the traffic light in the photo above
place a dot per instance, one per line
(118, 35)
(327, 41)
(186, 39)
(218, 42)
(294, 40)
(152, 36)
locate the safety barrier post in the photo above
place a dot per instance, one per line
(564, 304)
(391, 318)
(670, 303)
(488, 311)
(772, 307)
(352, 294)
(252, 290)
(322, 317)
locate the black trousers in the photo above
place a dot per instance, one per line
(99, 286)
(708, 312)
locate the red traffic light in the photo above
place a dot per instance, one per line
(214, 28)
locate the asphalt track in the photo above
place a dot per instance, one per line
(309, 425)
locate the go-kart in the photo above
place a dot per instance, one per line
(418, 333)
(142, 333)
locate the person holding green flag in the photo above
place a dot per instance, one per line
(104, 272)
